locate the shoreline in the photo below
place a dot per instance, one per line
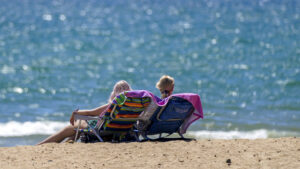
(204, 153)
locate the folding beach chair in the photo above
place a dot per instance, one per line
(170, 118)
(119, 119)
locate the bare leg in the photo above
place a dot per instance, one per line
(66, 132)
(70, 139)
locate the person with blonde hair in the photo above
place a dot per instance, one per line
(69, 131)
(165, 85)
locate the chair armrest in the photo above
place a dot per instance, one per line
(82, 117)
(126, 119)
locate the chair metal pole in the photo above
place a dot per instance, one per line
(77, 130)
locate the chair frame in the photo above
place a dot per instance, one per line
(86, 118)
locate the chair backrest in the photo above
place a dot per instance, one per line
(169, 118)
(124, 112)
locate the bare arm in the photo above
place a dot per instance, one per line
(93, 112)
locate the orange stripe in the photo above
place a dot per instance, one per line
(146, 104)
(119, 126)
(127, 115)
(133, 104)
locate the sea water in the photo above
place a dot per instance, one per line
(241, 57)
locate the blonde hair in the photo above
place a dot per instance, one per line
(164, 82)
(120, 86)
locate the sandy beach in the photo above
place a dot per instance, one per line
(237, 153)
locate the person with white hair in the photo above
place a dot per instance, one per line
(69, 131)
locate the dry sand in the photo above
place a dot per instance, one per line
(240, 153)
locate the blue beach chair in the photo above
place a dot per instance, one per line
(167, 119)
(119, 119)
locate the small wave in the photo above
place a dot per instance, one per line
(13, 128)
(255, 134)
(19, 129)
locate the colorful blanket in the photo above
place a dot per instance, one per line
(122, 114)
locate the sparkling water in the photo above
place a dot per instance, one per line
(241, 57)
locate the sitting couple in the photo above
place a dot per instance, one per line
(165, 85)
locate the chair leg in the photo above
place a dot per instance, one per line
(143, 134)
(181, 135)
(95, 132)
(77, 130)
(136, 136)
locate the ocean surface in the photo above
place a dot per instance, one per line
(241, 57)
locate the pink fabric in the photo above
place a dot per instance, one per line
(194, 99)
(198, 112)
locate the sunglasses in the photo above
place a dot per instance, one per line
(165, 92)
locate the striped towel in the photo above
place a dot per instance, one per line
(126, 107)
